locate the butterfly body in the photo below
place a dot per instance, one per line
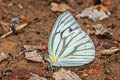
(68, 44)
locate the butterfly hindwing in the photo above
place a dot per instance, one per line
(69, 44)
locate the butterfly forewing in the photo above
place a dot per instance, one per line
(69, 44)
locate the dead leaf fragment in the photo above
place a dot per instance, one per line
(5, 26)
(35, 47)
(65, 75)
(101, 30)
(3, 56)
(109, 51)
(95, 13)
(20, 6)
(36, 77)
(59, 7)
(33, 56)
(2, 8)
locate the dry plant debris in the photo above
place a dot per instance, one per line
(3, 56)
(34, 56)
(5, 26)
(65, 75)
(17, 29)
(101, 30)
(95, 13)
(14, 26)
(36, 77)
(59, 7)
(109, 51)
(35, 47)
(32, 52)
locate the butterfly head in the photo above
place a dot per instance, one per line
(50, 59)
(46, 58)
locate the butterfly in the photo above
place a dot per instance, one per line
(68, 44)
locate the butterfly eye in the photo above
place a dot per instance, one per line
(46, 58)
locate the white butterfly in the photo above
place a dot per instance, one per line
(68, 44)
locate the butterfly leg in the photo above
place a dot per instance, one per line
(49, 68)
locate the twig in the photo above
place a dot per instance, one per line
(5, 26)
(17, 29)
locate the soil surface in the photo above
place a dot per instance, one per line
(102, 68)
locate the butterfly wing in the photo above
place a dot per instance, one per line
(68, 44)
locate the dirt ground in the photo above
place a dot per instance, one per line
(102, 68)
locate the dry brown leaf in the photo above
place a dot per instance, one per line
(20, 6)
(59, 7)
(3, 56)
(95, 13)
(109, 51)
(101, 30)
(5, 26)
(36, 77)
(34, 56)
(2, 8)
(35, 47)
(65, 75)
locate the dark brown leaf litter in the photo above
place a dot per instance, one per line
(38, 32)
